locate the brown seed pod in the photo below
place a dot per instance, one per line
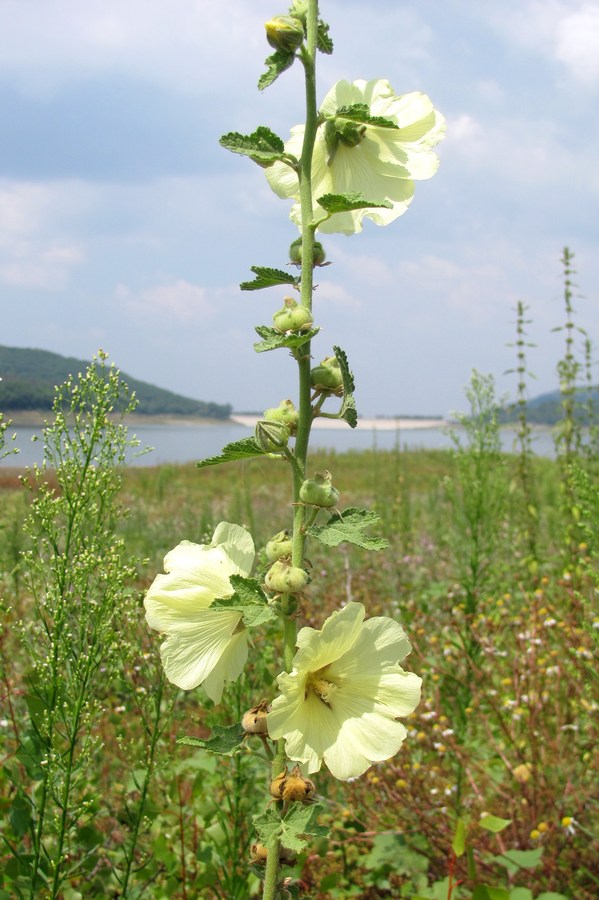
(254, 720)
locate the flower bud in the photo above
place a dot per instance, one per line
(271, 437)
(283, 578)
(285, 33)
(292, 317)
(319, 491)
(327, 376)
(286, 413)
(278, 546)
(292, 787)
(259, 854)
(254, 720)
(295, 253)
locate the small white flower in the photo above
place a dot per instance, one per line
(203, 646)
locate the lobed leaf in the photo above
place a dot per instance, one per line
(246, 448)
(299, 820)
(348, 409)
(273, 339)
(349, 526)
(360, 112)
(249, 599)
(275, 65)
(223, 741)
(263, 146)
(323, 41)
(266, 277)
(338, 203)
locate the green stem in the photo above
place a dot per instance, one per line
(308, 58)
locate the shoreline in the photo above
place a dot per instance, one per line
(37, 419)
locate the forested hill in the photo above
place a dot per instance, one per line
(546, 409)
(29, 377)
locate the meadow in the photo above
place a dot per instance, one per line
(491, 569)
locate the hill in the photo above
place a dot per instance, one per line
(546, 409)
(29, 377)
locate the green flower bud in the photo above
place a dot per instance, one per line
(327, 376)
(319, 491)
(299, 9)
(283, 578)
(285, 33)
(278, 546)
(271, 436)
(295, 253)
(286, 413)
(292, 317)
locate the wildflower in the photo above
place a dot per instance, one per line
(352, 153)
(203, 646)
(340, 702)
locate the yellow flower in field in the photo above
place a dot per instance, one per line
(369, 141)
(203, 645)
(339, 704)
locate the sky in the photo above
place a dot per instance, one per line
(124, 226)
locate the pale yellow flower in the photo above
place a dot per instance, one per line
(339, 704)
(378, 162)
(203, 645)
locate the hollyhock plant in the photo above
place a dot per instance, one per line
(369, 142)
(339, 704)
(203, 646)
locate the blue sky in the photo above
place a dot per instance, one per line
(124, 226)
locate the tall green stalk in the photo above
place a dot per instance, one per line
(300, 453)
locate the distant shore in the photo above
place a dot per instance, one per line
(32, 418)
(377, 424)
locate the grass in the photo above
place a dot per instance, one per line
(507, 726)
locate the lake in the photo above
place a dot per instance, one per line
(187, 443)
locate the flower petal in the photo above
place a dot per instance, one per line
(212, 648)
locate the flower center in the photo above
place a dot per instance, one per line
(319, 685)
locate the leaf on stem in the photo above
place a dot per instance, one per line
(243, 449)
(360, 112)
(248, 599)
(273, 339)
(323, 41)
(348, 409)
(275, 65)
(349, 526)
(299, 820)
(266, 277)
(263, 146)
(337, 203)
(224, 739)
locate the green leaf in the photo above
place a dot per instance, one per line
(349, 526)
(494, 823)
(514, 860)
(243, 449)
(459, 839)
(224, 740)
(263, 146)
(20, 815)
(274, 339)
(348, 409)
(336, 203)
(266, 277)
(275, 65)
(521, 893)
(360, 112)
(482, 892)
(551, 895)
(248, 599)
(298, 820)
(323, 41)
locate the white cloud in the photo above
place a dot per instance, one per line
(563, 30)
(577, 43)
(175, 302)
(31, 255)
